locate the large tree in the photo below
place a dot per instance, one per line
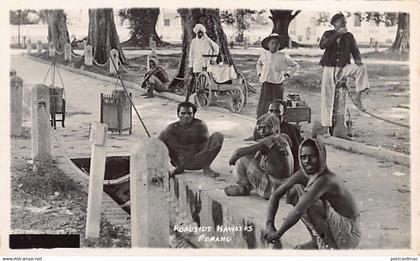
(210, 18)
(102, 35)
(57, 27)
(281, 21)
(402, 38)
(142, 26)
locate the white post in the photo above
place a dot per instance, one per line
(88, 55)
(51, 49)
(114, 57)
(96, 179)
(29, 47)
(16, 102)
(153, 47)
(149, 191)
(39, 47)
(67, 52)
(40, 114)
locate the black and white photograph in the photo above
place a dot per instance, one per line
(273, 127)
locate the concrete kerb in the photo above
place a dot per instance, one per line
(351, 146)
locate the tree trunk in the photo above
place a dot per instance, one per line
(281, 21)
(102, 35)
(402, 39)
(143, 25)
(210, 18)
(57, 28)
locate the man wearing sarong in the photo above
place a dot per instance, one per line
(189, 144)
(323, 203)
(278, 108)
(339, 44)
(156, 79)
(200, 45)
(273, 67)
(262, 166)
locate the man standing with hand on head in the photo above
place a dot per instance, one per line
(338, 45)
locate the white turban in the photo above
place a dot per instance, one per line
(199, 27)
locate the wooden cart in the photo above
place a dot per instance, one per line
(220, 82)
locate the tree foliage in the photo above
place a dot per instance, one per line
(242, 19)
(25, 16)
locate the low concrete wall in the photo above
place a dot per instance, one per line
(225, 222)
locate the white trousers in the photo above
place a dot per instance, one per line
(330, 77)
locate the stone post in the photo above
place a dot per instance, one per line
(29, 47)
(39, 47)
(88, 55)
(67, 52)
(51, 49)
(40, 115)
(16, 104)
(149, 192)
(376, 46)
(340, 127)
(114, 62)
(96, 179)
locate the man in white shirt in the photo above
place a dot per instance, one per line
(200, 45)
(273, 67)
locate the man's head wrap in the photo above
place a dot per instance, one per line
(199, 27)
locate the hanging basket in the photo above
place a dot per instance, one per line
(116, 111)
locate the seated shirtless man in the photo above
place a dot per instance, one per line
(265, 165)
(188, 142)
(278, 108)
(324, 204)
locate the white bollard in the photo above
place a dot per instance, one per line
(149, 185)
(67, 52)
(39, 47)
(88, 55)
(29, 47)
(16, 103)
(96, 179)
(51, 49)
(114, 62)
(40, 115)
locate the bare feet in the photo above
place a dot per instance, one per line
(236, 190)
(208, 171)
(326, 132)
(149, 96)
(308, 245)
(358, 101)
(176, 171)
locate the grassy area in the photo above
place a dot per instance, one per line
(46, 200)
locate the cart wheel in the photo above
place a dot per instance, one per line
(202, 85)
(237, 101)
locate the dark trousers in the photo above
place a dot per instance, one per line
(269, 92)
